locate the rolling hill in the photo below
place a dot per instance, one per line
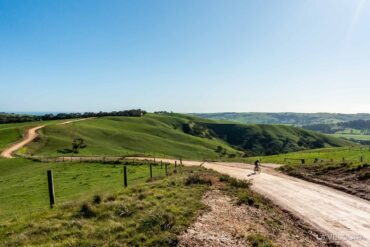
(290, 118)
(176, 135)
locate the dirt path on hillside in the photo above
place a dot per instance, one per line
(342, 217)
(29, 136)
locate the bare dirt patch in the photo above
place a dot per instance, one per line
(227, 224)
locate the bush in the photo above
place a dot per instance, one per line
(196, 179)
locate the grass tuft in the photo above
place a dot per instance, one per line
(258, 240)
(164, 221)
(86, 211)
(235, 182)
(197, 179)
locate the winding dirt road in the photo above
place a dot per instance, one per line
(29, 136)
(342, 217)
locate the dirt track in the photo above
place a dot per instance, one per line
(30, 135)
(342, 217)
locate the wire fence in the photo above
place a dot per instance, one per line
(32, 196)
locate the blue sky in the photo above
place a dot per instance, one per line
(185, 56)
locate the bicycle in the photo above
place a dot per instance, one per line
(257, 169)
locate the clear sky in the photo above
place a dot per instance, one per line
(185, 55)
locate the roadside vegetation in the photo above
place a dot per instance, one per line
(93, 208)
(346, 169)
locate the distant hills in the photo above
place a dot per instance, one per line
(355, 127)
(290, 118)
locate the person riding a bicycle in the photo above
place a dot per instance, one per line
(257, 166)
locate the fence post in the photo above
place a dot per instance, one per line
(151, 170)
(51, 188)
(175, 164)
(125, 176)
(180, 161)
(362, 158)
(165, 168)
(161, 164)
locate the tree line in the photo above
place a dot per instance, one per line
(17, 118)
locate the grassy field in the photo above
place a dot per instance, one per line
(148, 213)
(10, 133)
(99, 211)
(350, 154)
(176, 135)
(23, 183)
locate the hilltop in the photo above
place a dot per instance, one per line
(175, 135)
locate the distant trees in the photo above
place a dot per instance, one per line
(15, 118)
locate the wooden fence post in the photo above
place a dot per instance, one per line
(125, 176)
(150, 170)
(175, 164)
(161, 164)
(51, 188)
(180, 161)
(165, 168)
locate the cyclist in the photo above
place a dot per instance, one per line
(257, 166)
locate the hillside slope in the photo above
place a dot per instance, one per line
(291, 118)
(177, 135)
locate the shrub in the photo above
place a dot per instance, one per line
(196, 179)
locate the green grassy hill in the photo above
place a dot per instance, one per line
(291, 118)
(177, 135)
(10, 133)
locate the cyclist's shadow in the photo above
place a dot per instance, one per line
(251, 174)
